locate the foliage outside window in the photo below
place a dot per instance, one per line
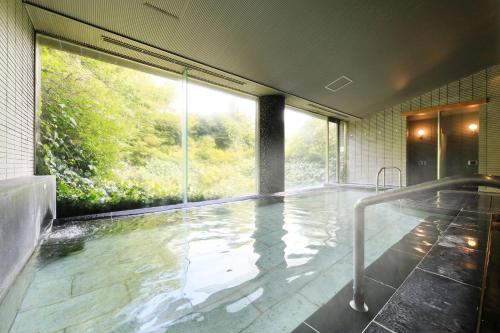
(305, 149)
(112, 136)
(221, 143)
(332, 151)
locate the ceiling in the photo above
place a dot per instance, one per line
(392, 50)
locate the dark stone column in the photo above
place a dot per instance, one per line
(271, 140)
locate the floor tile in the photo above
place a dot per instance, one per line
(304, 328)
(232, 317)
(272, 256)
(271, 287)
(433, 209)
(283, 317)
(441, 220)
(109, 322)
(13, 299)
(375, 328)
(392, 267)
(465, 238)
(338, 316)
(429, 229)
(490, 319)
(322, 288)
(75, 310)
(431, 303)
(96, 279)
(43, 293)
(421, 238)
(415, 244)
(478, 203)
(459, 263)
(473, 221)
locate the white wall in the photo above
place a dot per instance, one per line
(381, 139)
(17, 107)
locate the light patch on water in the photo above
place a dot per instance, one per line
(238, 305)
(255, 295)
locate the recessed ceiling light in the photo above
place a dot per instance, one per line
(339, 83)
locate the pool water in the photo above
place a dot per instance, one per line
(260, 265)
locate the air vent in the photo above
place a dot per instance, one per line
(339, 83)
(160, 10)
(221, 85)
(326, 110)
(169, 59)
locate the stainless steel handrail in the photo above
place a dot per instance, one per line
(385, 168)
(358, 301)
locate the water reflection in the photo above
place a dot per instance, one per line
(211, 269)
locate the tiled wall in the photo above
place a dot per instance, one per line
(489, 143)
(16, 91)
(375, 142)
(381, 139)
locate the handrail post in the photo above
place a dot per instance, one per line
(358, 301)
(378, 177)
(383, 169)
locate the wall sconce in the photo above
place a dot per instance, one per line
(421, 133)
(473, 128)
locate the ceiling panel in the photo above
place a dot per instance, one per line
(392, 49)
(70, 35)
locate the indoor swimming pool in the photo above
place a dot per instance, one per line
(260, 265)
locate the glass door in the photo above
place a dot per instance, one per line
(459, 143)
(422, 146)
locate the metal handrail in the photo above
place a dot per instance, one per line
(358, 301)
(385, 168)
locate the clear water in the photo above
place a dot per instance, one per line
(251, 266)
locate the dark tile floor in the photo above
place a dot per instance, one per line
(457, 263)
(430, 281)
(375, 328)
(337, 315)
(392, 267)
(428, 302)
(490, 319)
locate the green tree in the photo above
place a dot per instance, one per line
(305, 155)
(112, 137)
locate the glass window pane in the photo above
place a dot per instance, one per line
(221, 143)
(421, 148)
(342, 152)
(109, 133)
(459, 153)
(305, 149)
(332, 151)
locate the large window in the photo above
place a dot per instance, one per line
(221, 143)
(305, 149)
(109, 133)
(115, 136)
(333, 151)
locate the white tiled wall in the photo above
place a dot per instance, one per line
(384, 133)
(16, 91)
